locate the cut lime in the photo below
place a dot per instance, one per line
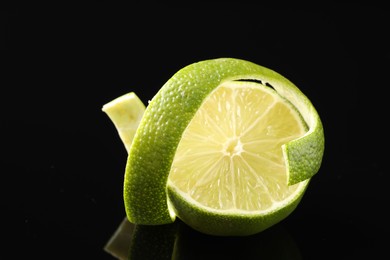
(226, 145)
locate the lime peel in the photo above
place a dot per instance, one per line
(125, 112)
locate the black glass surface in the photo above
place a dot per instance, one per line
(62, 162)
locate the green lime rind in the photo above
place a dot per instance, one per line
(219, 223)
(304, 155)
(168, 114)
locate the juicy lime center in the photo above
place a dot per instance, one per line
(230, 155)
(233, 147)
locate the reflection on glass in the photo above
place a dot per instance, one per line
(178, 241)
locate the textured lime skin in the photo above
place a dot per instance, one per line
(169, 113)
(304, 155)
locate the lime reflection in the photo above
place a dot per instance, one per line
(178, 241)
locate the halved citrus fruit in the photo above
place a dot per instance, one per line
(226, 145)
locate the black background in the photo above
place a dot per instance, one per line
(62, 162)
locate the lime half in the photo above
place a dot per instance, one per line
(226, 145)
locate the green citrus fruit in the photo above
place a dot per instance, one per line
(226, 145)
